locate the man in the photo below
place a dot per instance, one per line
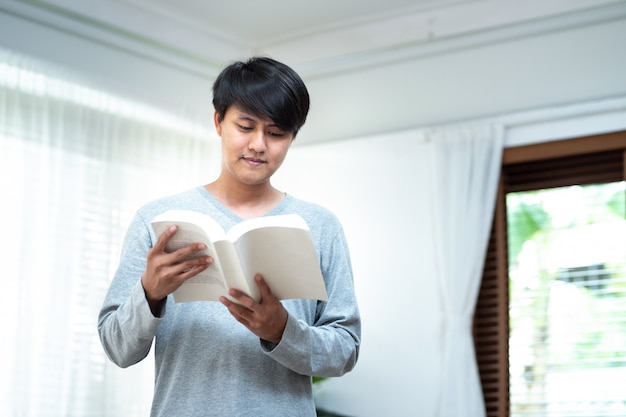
(244, 358)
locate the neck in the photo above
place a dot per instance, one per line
(245, 200)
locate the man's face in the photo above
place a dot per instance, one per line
(253, 148)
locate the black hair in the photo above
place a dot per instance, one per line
(265, 88)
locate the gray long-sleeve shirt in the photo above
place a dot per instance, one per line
(208, 364)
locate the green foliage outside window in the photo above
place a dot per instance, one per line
(567, 282)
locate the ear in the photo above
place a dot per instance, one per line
(218, 125)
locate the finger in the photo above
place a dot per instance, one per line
(242, 300)
(164, 238)
(186, 258)
(184, 254)
(266, 292)
(191, 272)
(239, 313)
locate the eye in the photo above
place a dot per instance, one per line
(276, 133)
(245, 128)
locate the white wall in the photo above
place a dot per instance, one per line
(378, 188)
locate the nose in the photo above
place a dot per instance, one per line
(257, 142)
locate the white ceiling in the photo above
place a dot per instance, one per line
(266, 23)
(372, 65)
(313, 36)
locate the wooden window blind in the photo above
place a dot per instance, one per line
(590, 160)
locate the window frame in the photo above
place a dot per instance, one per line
(587, 160)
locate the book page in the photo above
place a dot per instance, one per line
(211, 228)
(287, 260)
(233, 271)
(210, 283)
(278, 247)
(284, 220)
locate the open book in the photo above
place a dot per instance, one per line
(280, 248)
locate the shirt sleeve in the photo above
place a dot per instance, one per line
(329, 346)
(126, 324)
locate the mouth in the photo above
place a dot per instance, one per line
(253, 161)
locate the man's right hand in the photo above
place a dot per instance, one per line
(165, 272)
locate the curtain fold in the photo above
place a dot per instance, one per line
(466, 166)
(75, 163)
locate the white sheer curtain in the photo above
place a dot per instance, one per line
(75, 163)
(466, 166)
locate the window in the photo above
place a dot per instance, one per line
(531, 177)
(75, 163)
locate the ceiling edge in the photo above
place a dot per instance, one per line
(327, 66)
(124, 39)
(310, 56)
